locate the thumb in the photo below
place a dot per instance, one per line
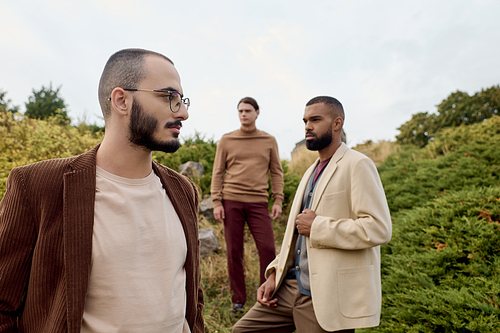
(267, 293)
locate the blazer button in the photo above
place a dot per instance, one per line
(297, 268)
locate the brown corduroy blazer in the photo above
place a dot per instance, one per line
(46, 225)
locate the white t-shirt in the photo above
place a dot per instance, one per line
(137, 281)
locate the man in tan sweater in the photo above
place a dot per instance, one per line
(240, 176)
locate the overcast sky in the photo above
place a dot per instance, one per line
(384, 60)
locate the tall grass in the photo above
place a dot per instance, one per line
(215, 280)
(302, 158)
(377, 151)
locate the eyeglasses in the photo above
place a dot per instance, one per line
(173, 96)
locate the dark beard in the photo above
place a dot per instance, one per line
(321, 142)
(142, 128)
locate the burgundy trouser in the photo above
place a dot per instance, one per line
(256, 214)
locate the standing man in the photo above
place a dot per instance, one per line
(327, 276)
(240, 176)
(107, 241)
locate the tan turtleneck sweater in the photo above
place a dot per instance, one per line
(242, 165)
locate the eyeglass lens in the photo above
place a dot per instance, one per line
(176, 101)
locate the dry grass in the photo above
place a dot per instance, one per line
(377, 151)
(215, 281)
(302, 158)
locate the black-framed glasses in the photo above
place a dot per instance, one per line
(175, 98)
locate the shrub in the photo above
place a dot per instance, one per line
(460, 157)
(24, 140)
(441, 270)
(291, 182)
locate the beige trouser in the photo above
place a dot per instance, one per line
(294, 312)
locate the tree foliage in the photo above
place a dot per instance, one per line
(418, 130)
(45, 103)
(457, 109)
(6, 104)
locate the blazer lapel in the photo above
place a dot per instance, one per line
(288, 239)
(78, 222)
(327, 175)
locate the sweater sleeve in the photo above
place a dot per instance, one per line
(276, 174)
(218, 173)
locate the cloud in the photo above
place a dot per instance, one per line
(384, 60)
(18, 33)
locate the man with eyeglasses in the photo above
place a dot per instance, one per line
(244, 160)
(107, 241)
(327, 276)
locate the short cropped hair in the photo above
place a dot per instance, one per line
(335, 106)
(124, 69)
(251, 101)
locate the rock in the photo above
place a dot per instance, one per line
(207, 207)
(208, 241)
(190, 169)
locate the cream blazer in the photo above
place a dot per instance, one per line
(343, 248)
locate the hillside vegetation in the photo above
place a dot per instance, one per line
(441, 270)
(25, 140)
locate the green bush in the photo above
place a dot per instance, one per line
(291, 182)
(441, 270)
(460, 157)
(24, 140)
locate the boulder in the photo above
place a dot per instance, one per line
(207, 207)
(190, 169)
(208, 241)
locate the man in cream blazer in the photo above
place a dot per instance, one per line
(327, 276)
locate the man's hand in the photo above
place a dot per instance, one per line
(266, 290)
(275, 212)
(304, 222)
(219, 214)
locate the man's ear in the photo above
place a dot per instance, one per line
(121, 102)
(337, 124)
(258, 112)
